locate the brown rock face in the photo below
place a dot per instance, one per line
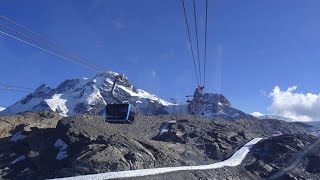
(26, 121)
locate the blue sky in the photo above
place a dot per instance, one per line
(253, 46)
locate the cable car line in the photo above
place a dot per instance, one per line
(12, 86)
(205, 45)
(6, 89)
(192, 52)
(46, 39)
(197, 38)
(9, 35)
(32, 39)
(201, 68)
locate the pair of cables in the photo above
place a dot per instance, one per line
(200, 73)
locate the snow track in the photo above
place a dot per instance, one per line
(234, 160)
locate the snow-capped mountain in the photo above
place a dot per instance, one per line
(84, 95)
(215, 106)
(271, 116)
(2, 108)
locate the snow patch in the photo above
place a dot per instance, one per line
(235, 115)
(220, 104)
(17, 136)
(94, 97)
(271, 116)
(57, 104)
(146, 95)
(59, 144)
(2, 108)
(20, 158)
(22, 107)
(221, 112)
(278, 133)
(257, 114)
(163, 129)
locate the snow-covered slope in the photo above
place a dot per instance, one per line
(2, 108)
(235, 160)
(271, 116)
(84, 95)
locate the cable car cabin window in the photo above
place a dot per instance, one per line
(120, 113)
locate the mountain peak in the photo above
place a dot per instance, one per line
(43, 88)
(107, 74)
(87, 95)
(214, 105)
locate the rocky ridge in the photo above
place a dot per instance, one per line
(214, 106)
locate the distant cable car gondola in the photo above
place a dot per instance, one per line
(121, 112)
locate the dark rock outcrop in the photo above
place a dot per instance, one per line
(285, 157)
(214, 106)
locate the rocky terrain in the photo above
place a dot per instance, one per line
(11, 123)
(87, 144)
(285, 157)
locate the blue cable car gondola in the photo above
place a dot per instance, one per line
(120, 112)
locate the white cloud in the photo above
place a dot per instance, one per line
(298, 106)
(2, 108)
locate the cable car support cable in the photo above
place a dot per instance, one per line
(51, 48)
(190, 42)
(205, 45)
(197, 38)
(9, 35)
(46, 39)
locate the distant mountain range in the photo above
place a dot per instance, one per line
(271, 116)
(84, 95)
(313, 123)
(90, 95)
